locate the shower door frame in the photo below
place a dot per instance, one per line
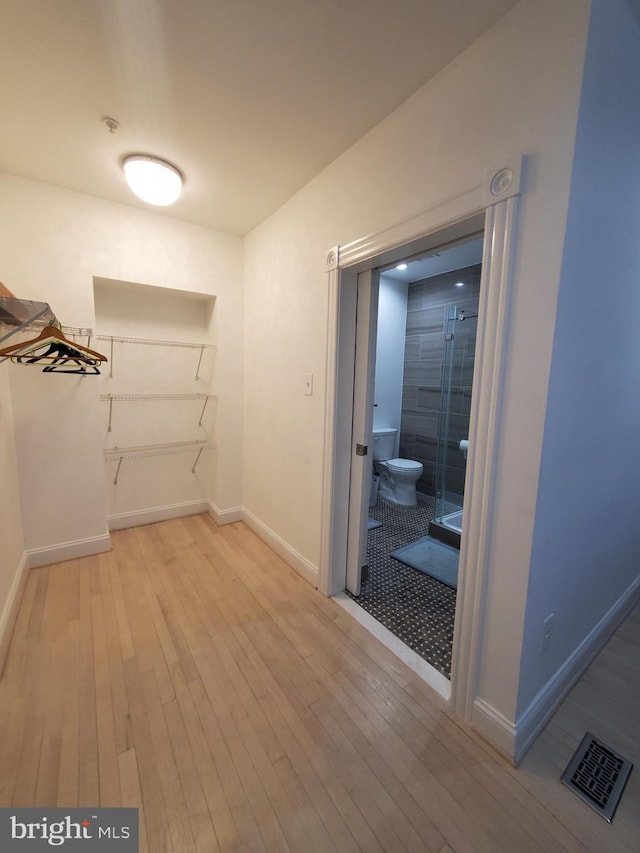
(497, 205)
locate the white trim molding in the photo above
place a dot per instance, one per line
(63, 551)
(484, 442)
(491, 205)
(531, 722)
(152, 515)
(435, 218)
(514, 739)
(494, 727)
(293, 558)
(225, 516)
(10, 611)
(443, 223)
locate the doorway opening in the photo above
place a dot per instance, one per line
(425, 337)
(489, 211)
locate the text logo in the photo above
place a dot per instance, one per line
(100, 830)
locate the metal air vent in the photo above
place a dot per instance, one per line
(597, 775)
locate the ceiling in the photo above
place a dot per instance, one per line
(249, 98)
(458, 257)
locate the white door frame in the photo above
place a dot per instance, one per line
(495, 202)
(363, 395)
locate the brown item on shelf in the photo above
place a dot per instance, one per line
(4, 291)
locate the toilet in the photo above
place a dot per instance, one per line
(398, 477)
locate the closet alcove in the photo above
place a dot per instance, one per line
(157, 400)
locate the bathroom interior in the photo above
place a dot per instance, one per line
(425, 354)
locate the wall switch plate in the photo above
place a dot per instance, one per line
(308, 384)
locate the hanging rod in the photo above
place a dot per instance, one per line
(111, 454)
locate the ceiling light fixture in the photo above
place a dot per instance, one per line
(152, 180)
(401, 267)
(459, 283)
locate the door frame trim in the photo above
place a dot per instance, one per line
(495, 203)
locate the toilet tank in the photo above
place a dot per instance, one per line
(384, 444)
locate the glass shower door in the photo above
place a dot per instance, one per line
(460, 326)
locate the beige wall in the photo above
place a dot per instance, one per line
(54, 242)
(515, 91)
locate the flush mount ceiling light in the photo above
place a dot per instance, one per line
(152, 180)
(401, 267)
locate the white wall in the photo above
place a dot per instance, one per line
(11, 534)
(392, 324)
(586, 548)
(514, 91)
(53, 242)
(173, 380)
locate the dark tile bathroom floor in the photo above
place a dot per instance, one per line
(418, 609)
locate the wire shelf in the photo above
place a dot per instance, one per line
(152, 342)
(119, 454)
(132, 398)
(144, 451)
(19, 314)
(77, 332)
(155, 343)
(128, 398)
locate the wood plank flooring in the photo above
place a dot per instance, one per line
(192, 674)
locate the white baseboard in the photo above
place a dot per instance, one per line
(67, 551)
(10, 609)
(494, 727)
(301, 565)
(225, 516)
(514, 739)
(152, 515)
(543, 706)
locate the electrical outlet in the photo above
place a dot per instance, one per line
(547, 630)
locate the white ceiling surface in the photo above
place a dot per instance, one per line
(437, 262)
(249, 98)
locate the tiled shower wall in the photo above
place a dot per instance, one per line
(428, 306)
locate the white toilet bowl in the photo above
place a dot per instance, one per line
(398, 478)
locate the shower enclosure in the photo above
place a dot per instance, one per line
(460, 328)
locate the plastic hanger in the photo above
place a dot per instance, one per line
(53, 336)
(54, 350)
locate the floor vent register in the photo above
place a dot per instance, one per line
(597, 775)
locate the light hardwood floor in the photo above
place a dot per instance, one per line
(191, 673)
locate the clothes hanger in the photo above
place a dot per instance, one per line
(58, 358)
(59, 347)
